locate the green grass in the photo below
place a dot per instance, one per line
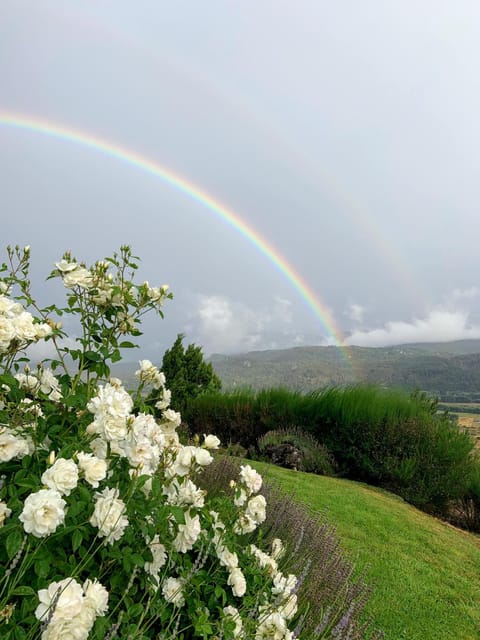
(426, 573)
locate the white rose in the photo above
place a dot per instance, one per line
(232, 612)
(256, 509)
(112, 428)
(183, 461)
(244, 524)
(251, 478)
(288, 607)
(99, 447)
(264, 560)
(65, 266)
(165, 401)
(172, 591)
(184, 494)
(187, 533)
(211, 442)
(49, 384)
(28, 381)
(43, 512)
(24, 327)
(159, 557)
(202, 456)
(65, 596)
(240, 498)
(79, 277)
(169, 415)
(11, 446)
(96, 597)
(78, 628)
(62, 476)
(273, 627)
(228, 559)
(111, 400)
(277, 549)
(4, 512)
(7, 333)
(108, 515)
(42, 330)
(94, 469)
(284, 584)
(237, 581)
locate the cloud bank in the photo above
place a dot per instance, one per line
(438, 326)
(223, 325)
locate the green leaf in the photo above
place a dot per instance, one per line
(179, 514)
(14, 542)
(77, 538)
(135, 610)
(92, 356)
(23, 591)
(137, 559)
(42, 567)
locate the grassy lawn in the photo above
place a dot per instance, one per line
(427, 573)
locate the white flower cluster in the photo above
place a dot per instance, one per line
(149, 374)
(155, 294)
(151, 448)
(102, 287)
(43, 380)
(70, 609)
(255, 510)
(44, 511)
(4, 512)
(14, 444)
(17, 326)
(74, 275)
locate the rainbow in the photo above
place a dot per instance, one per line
(176, 181)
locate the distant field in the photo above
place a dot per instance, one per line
(468, 416)
(471, 423)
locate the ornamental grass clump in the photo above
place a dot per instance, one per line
(105, 531)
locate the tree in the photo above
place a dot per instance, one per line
(187, 374)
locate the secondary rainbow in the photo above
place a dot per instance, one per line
(194, 192)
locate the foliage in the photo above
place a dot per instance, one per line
(337, 598)
(314, 457)
(381, 436)
(103, 530)
(187, 374)
(243, 416)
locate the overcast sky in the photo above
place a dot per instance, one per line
(346, 134)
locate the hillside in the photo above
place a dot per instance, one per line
(450, 370)
(425, 572)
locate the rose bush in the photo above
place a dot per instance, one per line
(105, 531)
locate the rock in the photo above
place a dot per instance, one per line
(284, 455)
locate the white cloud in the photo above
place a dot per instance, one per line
(439, 326)
(355, 312)
(222, 325)
(464, 295)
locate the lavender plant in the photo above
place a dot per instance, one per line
(104, 529)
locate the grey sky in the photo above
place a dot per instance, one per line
(345, 133)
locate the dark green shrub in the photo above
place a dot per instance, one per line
(381, 436)
(187, 374)
(314, 457)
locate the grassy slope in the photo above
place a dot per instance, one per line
(427, 573)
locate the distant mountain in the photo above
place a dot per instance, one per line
(448, 369)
